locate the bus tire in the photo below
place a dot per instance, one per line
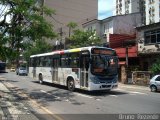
(40, 79)
(70, 84)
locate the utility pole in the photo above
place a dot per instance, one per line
(61, 35)
(127, 56)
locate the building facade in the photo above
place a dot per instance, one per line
(120, 24)
(134, 33)
(148, 38)
(126, 6)
(149, 9)
(67, 11)
(152, 11)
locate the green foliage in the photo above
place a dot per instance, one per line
(84, 38)
(39, 46)
(155, 68)
(71, 26)
(26, 25)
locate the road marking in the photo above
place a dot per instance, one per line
(121, 90)
(98, 99)
(46, 110)
(131, 94)
(43, 91)
(52, 114)
(87, 96)
(138, 93)
(57, 97)
(113, 95)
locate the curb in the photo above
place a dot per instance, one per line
(131, 86)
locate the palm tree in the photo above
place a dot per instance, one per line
(71, 26)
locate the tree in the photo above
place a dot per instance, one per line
(39, 46)
(26, 25)
(71, 26)
(84, 38)
(155, 68)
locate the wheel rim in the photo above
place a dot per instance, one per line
(153, 88)
(71, 85)
(40, 79)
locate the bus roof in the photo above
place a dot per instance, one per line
(68, 51)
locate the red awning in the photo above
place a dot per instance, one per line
(121, 52)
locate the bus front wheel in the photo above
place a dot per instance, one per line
(71, 85)
(40, 79)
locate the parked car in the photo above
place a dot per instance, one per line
(22, 71)
(12, 69)
(155, 83)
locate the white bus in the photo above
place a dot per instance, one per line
(88, 68)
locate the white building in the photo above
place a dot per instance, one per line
(126, 7)
(149, 9)
(152, 11)
(120, 24)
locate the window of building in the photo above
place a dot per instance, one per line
(152, 37)
(104, 28)
(158, 36)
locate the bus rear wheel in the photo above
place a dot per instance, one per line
(71, 85)
(40, 79)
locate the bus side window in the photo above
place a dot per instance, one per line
(48, 61)
(64, 60)
(41, 62)
(74, 60)
(37, 62)
(33, 62)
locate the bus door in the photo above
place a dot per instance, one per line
(84, 67)
(55, 69)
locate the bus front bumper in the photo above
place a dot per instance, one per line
(101, 86)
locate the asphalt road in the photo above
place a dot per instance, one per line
(58, 100)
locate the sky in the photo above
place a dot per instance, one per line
(3, 9)
(105, 9)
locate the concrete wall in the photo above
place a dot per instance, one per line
(70, 11)
(122, 24)
(149, 48)
(126, 24)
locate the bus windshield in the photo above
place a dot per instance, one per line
(104, 65)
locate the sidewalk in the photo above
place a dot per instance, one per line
(132, 86)
(11, 108)
(17, 105)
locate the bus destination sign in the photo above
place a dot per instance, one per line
(102, 51)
